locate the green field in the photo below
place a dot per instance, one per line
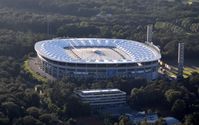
(28, 69)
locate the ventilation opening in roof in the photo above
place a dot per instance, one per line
(97, 53)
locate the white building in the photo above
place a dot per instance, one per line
(102, 97)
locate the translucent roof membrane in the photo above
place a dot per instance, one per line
(55, 50)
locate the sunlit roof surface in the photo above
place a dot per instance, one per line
(100, 90)
(55, 49)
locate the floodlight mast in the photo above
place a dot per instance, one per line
(149, 33)
(180, 60)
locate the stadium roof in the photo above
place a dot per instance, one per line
(55, 50)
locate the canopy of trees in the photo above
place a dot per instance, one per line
(24, 22)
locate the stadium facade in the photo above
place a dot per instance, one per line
(98, 59)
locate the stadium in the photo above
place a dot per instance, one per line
(98, 59)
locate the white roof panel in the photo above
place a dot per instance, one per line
(100, 90)
(55, 49)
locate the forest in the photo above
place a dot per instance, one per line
(24, 100)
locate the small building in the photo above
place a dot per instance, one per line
(150, 119)
(137, 118)
(102, 97)
(171, 121)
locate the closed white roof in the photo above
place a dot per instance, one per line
(55, 50)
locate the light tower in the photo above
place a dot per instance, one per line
(180, 60)
(149, 33)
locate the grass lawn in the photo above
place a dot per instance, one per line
(32, 73)
(188, 69)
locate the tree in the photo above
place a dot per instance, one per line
(107, 121)
(124, 120)
(75, 108)
(71, 121)
(29, 120)
(189, 120)
(49, 119)
(32, 98)
(134, 92)
(4, 121)
(178, 107)
(12, 110)
(144, 122)
(33, 111)
(192, 119)
(46, 117)
(172, 95)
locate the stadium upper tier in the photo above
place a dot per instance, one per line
(125, 51)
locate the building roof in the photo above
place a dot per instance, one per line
(55, 50)
(171, 121)
(141, 116)
(99, 91)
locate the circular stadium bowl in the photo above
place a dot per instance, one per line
(97, 58)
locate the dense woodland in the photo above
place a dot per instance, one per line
(24, 22)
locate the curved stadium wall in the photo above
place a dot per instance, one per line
(99, 59)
